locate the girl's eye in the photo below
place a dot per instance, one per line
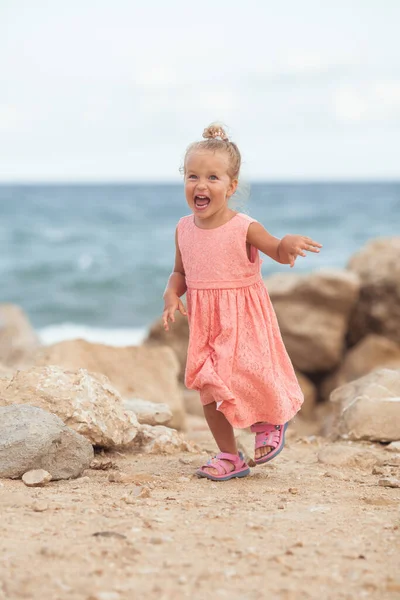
(192, 177)
(213, 177)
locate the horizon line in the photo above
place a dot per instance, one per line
(155, 182)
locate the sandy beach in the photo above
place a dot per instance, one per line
(296, 529)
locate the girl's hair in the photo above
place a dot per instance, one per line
(216, 140)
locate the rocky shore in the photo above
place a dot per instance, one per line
(98, 446)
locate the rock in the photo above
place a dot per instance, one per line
(391, 482)
(310, 396)
(18, 340)
(31, 438)
(105, 596)
(162, 440)
(39, 506)
(144, 372)
(86, 403)
(103, 464)
(313, 313)
(378, 308)
(36, 478)
(370, 353)
(149, 413)
(138, 492)
(176, 338)
(340, 455)
(3, 384)
(393, 447)
(369, 408)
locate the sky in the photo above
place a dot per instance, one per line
(94, 90)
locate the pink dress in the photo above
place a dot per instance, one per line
(236, 355)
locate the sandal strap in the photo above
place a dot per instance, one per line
(269, 436)
(233, 458)
(220, 467)
(264, 427)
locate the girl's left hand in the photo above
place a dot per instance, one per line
(292, 246)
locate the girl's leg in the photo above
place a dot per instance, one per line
(223, 434)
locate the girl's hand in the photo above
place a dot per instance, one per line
(292, 246)
(172, 303)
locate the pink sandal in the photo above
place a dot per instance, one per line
(241, 468)
(269, 435)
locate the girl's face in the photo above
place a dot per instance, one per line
(207, 183)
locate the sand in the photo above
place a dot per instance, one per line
(295, 529)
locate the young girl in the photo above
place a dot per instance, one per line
(236, 357)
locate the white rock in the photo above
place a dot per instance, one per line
(36, 478)
(162, 440)
(85, 402)
(393, 447)
(369, 408)
(149, 413)
(144, 372)
(31, 438)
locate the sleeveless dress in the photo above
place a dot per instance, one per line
(236, 356)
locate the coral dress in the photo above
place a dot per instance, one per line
(236, 355)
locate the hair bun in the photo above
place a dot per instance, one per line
(215, 131)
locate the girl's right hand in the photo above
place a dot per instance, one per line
(172, 303)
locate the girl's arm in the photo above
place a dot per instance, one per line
(176, 287)
(284, 251)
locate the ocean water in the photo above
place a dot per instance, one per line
(92, 261)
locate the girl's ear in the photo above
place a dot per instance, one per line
(232, 187)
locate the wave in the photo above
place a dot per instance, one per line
(111, 337)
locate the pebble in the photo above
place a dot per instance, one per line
(182, 579)
(293, 490)
(102, 464)
(137, 493)
(393, 447)
(109, 534)
(391, 482)
(186, 461)
(281, 505)
(105, 596)
(156, 540)
(40, 506)
(378, 471)
(36, 478)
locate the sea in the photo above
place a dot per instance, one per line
(92, 260)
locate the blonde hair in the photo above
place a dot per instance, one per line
(216, 140)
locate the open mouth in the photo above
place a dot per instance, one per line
(201, 202)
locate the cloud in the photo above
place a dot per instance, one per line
(370, 103)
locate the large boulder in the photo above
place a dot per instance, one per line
(313, 312)
(18, 340)
(177, 338)
(378, 308)
(371, 353)
(135, 371)
(31, 438)
(369, 408)
(85, 402)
